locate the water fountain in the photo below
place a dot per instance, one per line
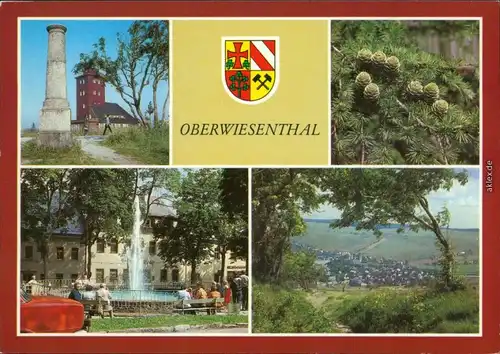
(137, 297)
(136, 252)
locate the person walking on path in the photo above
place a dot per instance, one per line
(86, 126)
(244, 291)
(107, 125)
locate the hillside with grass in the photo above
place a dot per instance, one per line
(412, 246)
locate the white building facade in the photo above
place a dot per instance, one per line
(109, 263)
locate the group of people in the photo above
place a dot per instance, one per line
(233, 291)
(83, 289)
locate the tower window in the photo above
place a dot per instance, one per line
(83, 105)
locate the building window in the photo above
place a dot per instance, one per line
(113, 247)
(83, 93)
(83, 105)
(163, 275)
(125, 275)
(74, 254)
(83, 81)
(100, 246)
(99, 275)
(28, 252)
(59, 276)
(60, 253)
(95, 93)
(42, 276)
(99, 93)
(74, 277)
(152, 248)
(175, 275)
(113, 275)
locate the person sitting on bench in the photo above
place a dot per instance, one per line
(75, 293)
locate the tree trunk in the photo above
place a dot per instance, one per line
(223, 263)
(164, 108)
(89, 256)
(193, 272)
(45, 265)
(155, 104)
(447, 260)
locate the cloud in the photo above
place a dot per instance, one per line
(463, 202)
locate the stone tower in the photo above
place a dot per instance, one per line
(55, 115)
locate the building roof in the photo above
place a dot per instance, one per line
(117, 114)
(157, 210)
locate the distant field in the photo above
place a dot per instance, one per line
(414, 247)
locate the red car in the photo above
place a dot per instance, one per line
(50, 314)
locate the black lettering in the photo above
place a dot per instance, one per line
(195, 129)
(214, 131)
(183, 129)
(204, 129)
(226, 128)
(260, 129)
(243, 129)
(305, 130)
(251, 128)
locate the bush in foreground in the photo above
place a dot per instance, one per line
(279, 311)
(412, 311)
(150, 146)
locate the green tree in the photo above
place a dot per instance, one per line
(300, 269)
(158, 187)
(234, 208)
(279, 199)
(394, 103)
(44, 207)
(372, 197)
(103, 199)
(197, 206)
(142, 60)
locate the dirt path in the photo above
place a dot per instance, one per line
(92, 147)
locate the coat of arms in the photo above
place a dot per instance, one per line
(250, 68)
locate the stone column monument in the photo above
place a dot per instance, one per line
(55, 115)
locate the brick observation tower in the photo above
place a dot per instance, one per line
(90, 91)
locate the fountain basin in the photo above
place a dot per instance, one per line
(144, 295)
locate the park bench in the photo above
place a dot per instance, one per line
(209, 305)
(96, 306)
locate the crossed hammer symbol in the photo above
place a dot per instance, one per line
(257, 79)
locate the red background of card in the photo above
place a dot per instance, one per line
(9, 12)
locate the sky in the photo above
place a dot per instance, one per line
(462, 202)
(80, 37)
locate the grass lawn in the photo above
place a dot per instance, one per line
(149, 146)
(117, 323)
(32, 154)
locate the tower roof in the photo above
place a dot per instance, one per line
(88, 72)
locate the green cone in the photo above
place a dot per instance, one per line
(392, 64)
(379, 58)
(415, 89)
(363, 79)
(431, 91)
(364, 56)
(440, 108)
(371, 92)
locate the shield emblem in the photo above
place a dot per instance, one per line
(250, 72)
